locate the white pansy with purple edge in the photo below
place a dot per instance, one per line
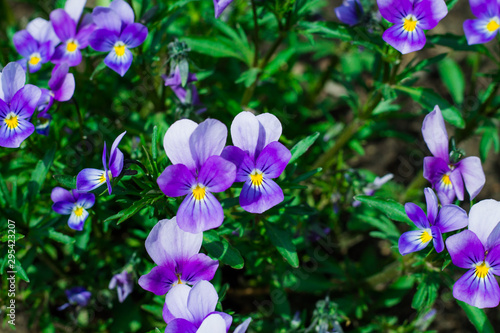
(259, 158)
(117, 34)
(72, 203)
(197, 172)
(17, 104)
(478, 250)
(90, 179)
(176, 252)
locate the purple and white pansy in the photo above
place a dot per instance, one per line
(73, 203)
(485, 27)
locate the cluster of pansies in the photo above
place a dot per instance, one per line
(476, 249)
(411, 17)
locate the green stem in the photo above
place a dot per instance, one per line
(80, 118)
(255, 34)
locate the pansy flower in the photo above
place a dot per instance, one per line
(220, 6)
(17, 104)
(370, 189)
(76, 296)
(176, 252)
(123, 283)
(197, 172)
(174, 81)
(65, 22)
(431, 226)
(90, 179)
(192, 310)
(73, 203)
(34, 53)
(350, 12)
(485, 27)
(117, 34)
(259, 158)
(478, 250)
(447, 177)
(410, 18)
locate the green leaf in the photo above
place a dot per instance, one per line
(66, 181)
(217, 47)
(60, 237)
(302, 146)
(394, 210)
(21, 272)
(420, 66)
(453, 79)
(220, 249)
(154, 144)
(477, 317)
(428, 99)
(457, 43)
(283, 242)
(40, 173)
(248, 77)
(132, 210)
(490, 138)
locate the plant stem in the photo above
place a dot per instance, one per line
(80, 118)
(255, 35)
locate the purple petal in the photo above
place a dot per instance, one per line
(437, 239)
(456, 183)
(259, 198)
(106, 171)
(350, 12)
(83, 35)
(404, 41)
(63, 207)
(244, 164)
(493, 258)
(220, 6)
(242, 328)
(214, 323)
(103, 40)
(74, 9)
(119, 63)
(476, 31)
(432, 205)
(76, 222)
(25, 101)
(64, 26)
(176, 143)
(429, 13)
(472, 171)
(394, 10)
(245, 132)
(479, 292)
(176, 180)
(46, 52)
(465, 249)
(134, 35)
(24, 43)
(200, 215)
(60, 194)
(61, 55)
(273, 160)
(181, 325)
(217, 174)
(208, 139)
(106, 18)
(269, 131)
(417, 215)
(124, 11)
(85, 200)
(436, 170)
(413, 241)
(176, 302)
(451, 218)
(61, 83)
(199, 267)
(116, 157)
(483, 218)
(484, 8)
(90, 179)
(159, 281)
(42, 31)
(12, 138)
(201, 301)
(58, 75)
(13, 78)
(435, 134)
(493, 239)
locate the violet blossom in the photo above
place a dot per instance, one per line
(485, 27)
(123, 283)
(350, 12)
(76, 296)
(73, 203)
(174, 81)
(220, 6)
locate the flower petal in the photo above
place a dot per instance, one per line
(42, 31)
(86, 200)
(451, 218)
(403, 40)
(220, 6)
(25, 101)
(472, 171)
(411, 241)
(269, 131)
(180, 325)
(64, 26)
(217, 174)
(74, 9)
(242, 328)
(200, 215)
(244, 164)
(417, 215)
(119, 64)
(349, 12)
(432, 205)
(493, 256)
(63, 207)
(483, 8)
(208, 139)
(465, 249)
(476, 31)
(159, 281)
(103, 40)
(176, 143)
(483, 218)
(435, 134)
(493, 239)
(201, 301)
(199, 267)
(134, 35)
(273, 160)
(13, 78)
(214, 323)
(258, 199)
(457, 184)
(24, 43)
(61, 194)
(429, 13)
(83, 35)
(245, 132)
(176, 302)
(90, 179)
(176, 180)
(124, 11)
(116, 157)
(437, 239)
(478, 292)
(106, 18)
(394, 10)
(76, 222)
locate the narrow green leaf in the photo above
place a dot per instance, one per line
(477, 317)
(66, 181)
(394, 210)
(302, 146)
(21, 272)
(283, 242)
(40, 173)
(453, 79)
(60, 237)
(154, 145)
(132, 210)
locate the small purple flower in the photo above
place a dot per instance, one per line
(372, 187)
(197, 172)
(17, 104)
(485, 27)
(90, 179)
(431, 226)
(116, 34)
(76, 296)
(123, 283)
(410, 18)
(350, 12)
(65, 22)
(176, 253)
(174, 81)
(35, 54)
(220, 6)
(447, 178)
(72, 203)
(259, 158)
(478, 250)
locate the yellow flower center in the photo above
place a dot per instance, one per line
(199, 192)
(102, 178)
(410, 23)
(35, 59)
(481, 270)
(446, 180)
(71, 45)
(493, 25)
(425, 236)
(256, 177)
(12, 121)
(78, 211)
(119, 49)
